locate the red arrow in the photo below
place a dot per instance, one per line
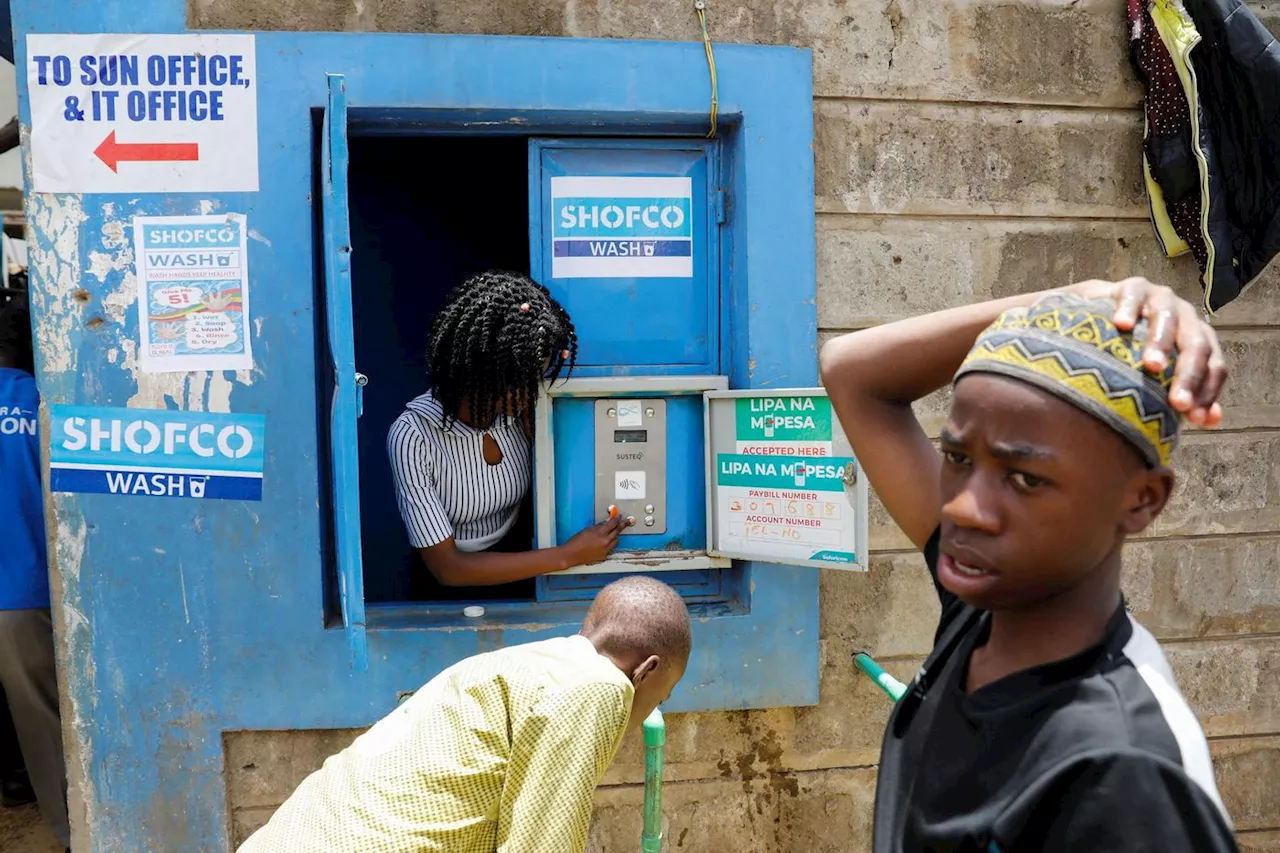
(112, 152)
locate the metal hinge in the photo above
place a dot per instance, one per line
(361, 381)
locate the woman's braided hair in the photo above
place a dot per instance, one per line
(497, 337)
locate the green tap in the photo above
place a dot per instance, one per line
(655, 737)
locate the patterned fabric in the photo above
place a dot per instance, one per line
(1069, 347)
(1170, 159)
(500, 752)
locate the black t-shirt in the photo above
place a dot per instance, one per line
(1098, 752)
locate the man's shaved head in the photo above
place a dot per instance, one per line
(642, 626)
(639, 616)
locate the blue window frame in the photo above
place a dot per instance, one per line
(757, 626)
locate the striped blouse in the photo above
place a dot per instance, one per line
(444, 486)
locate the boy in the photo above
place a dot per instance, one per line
(27, 670)
(1045, 718)
(502, 751)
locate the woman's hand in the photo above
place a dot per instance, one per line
(1200, 371)
(594, 544)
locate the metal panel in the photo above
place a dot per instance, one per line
(345, 408)
(633, 314)
(565, 491)
(631, 461)
(782, 480)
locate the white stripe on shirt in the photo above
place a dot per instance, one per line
(1149, 660)
(444, 486)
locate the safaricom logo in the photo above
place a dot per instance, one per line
(145, 437)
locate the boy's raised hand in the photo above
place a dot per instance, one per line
(1201, 369)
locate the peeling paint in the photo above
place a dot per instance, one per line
(182, 582)
(115, 233)
(195, 391)
(54, 259)
(101, 265)
(69, 542)
(254, 234)
(219, 398)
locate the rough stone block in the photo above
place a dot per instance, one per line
(245, 822)
(786, 812)
(832, 812)
(873, 270)
(742, 744)
(1228, 483)
(890, 611)
(1252, 396)
(985, 51)
(1073, 53)
(264, 767)
(846, 727)
(1183, 588)
(1233, 685)
(1259, 842)
(1268, 13)
(1248, 771)
(926, 158)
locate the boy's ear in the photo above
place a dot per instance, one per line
(645, 669)
(1149, 493)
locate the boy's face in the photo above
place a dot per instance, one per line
(1036, 494)
(653, 687)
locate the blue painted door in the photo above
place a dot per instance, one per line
(345, 407)
(624, 234)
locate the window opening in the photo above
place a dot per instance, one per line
(426, 213)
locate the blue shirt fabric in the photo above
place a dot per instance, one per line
(24, 573)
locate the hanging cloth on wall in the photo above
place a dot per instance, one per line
(1199, 150)
(1169, 157)
(1238, 77)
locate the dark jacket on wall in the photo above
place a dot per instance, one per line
(1238, 76)
(1215, 156)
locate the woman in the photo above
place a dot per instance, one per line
(462, 453)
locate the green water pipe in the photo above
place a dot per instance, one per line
(655, 737)
(876, 673)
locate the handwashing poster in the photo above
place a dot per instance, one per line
(193, 293)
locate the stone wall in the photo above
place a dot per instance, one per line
(964, 149)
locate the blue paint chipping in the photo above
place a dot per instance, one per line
(189, 618)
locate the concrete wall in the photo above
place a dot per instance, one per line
(964, 149)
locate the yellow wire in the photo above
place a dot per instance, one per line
(700, 8)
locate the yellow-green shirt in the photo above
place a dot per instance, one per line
(500, 752)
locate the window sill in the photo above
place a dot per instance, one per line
(504, 615)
